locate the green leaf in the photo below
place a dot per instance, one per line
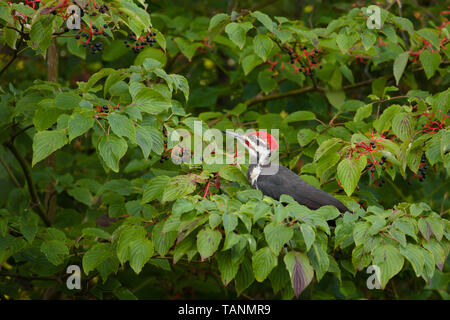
(430, 62)
(237, 32)
(344, 41)
(263, 261)
(266, 82)
(389, 260)
(67, 101)
(368, 39)
(127, 236)
(403, 126)
(300, 271)
(216, 19)
(305, 136)
(208, 242)
(112, 149)
(162, 240)
(95, 232)
(262, 45)
(79, 124)
(348, 173)
(277, 235)
(95, 256)
(187, 48)
(178, 187)
(309, 235)
(244, 277)
(227, 266)
(55, 251)
(319, 260)
(46, 142)
(232, 173)
(122, 126)
(399, 65)
(414, 254)
(264, 19)
(82, 195)
(438, 252)
(154, 188)
(300, 116)
(250, 62)
(141, 251)
(151, 101)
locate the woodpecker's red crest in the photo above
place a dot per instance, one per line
(266, 137)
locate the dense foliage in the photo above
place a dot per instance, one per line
(86, 117)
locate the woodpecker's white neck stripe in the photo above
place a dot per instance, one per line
(254, 174)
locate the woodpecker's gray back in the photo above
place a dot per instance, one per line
(288, 182)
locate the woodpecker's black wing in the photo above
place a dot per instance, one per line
(287, 182)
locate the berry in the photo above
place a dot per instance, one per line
(77, 37)
(105, 26)
(161, 160)
(372, 170)
(383, 168)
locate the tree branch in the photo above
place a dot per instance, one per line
(260, 98)
(25, 277)
(36, 205)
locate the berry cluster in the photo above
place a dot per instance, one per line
(207, 46)
(306, 59)
(104, 109)
(138, 43)
(103, 8)
(88, 37)
(301, 58)
(422, 169)
(434, 125)
(164, 157)
(363, 148)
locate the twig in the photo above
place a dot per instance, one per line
(11, 174)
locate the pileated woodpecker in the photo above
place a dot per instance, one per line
(260, 145)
